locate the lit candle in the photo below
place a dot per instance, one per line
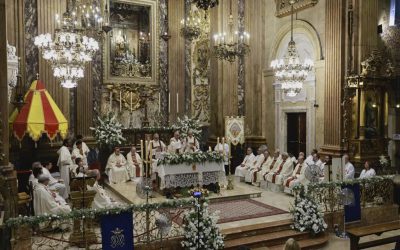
(159, 102)
(131, 101)
(177, 103)
(209, 148)
(120, 101)
(169, 103)
(217, 143)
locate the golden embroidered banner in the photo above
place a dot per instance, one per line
(234, 129)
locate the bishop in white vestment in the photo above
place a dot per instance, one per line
(270, 166)
(256, 165)
(282, 172)
(245, 165)
(175, 144)
(116, 167)
(135, 163)
(298, 174)
(65, 163)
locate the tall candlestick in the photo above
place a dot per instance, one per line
(141, 154)
(120, 101)
(145, 159)
(223, 147)
(159, 102)
(218, 143)
(177, 103)
(131, 101)
(150, 159)
(169, 103)
(209, 148)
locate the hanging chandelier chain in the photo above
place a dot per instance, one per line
(291, 24)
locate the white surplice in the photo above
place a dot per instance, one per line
(65, 164)
(281, 173)
(191, 144)
(348, 171)
(45, 203)
(101, 199)
(367, 173)
(77, 153)
(55, 185)
(255, 166)
(242, 168)
(132, 165)
(175, 145)
(116, 168)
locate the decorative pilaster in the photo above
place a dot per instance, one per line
(31, 30)
(164, 89)
(97, 70)
(335, 28)
(241, 65)
(188, 64)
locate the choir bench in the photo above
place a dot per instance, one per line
(356, 233)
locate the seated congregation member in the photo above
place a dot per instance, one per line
(44, 201)
(348, 173)
(257, 175)
(268, 167)
(116, 167)
(191, 144)
(245, 165)
(256, 165)
(135, 163)
(65, 162)
(297, 174)
(278, 175)
(54, 184)
(175, 144)
(367, 172)
(156, 146)
(223, 149)
(78, 152)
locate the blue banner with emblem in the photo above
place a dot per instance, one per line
(117, 231)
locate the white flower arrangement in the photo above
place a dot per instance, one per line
(383, 161)
(108, 131)
(189, 158)
(307, 216)
(200, 229)
(188, 124)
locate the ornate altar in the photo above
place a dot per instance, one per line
(366, 107)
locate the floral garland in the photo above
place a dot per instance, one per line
(307, 216)
(200, 228)
(190, 158)
(187, 124)
(94, 213)
(108, 131)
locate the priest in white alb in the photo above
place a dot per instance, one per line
(116, 167)
(102, 199)
(348, 173)
(156, 146)
(175, 144)
(278, 175)
(241, 170)
(44, 200)
(191, 144)
(78, 152)
(65, 162)
(297, 174)
(268, 160)
(135, 163)
(367, 172)
(256, 165)
(270, 166)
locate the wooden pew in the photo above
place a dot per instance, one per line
(356, 233)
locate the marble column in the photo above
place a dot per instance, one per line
(241, 64)
(188, 65)
(31, 30)
(164, 89)
(335, 28)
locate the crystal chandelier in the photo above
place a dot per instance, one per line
(205, 4)
(92, 15)
(190, 27)
(289, 71)
(70, 50)
(232, 45)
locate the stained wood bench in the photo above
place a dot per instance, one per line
(356, 233)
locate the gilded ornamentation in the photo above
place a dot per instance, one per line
(130, 96)
(200, 106)
(376, 66)
(283, 6)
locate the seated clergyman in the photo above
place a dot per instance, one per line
(102, 199)
(191, 144)
(256, 165)
(257, 176)
(270, 166)
(175, 144)
(245, 165)
(116, 167)
(135, 163)
(82, 170)
(298, 174)
(278, 175)
(367, 172)
(44, 201)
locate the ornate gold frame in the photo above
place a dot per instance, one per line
(154, 23)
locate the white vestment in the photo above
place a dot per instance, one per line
(175, 145)
(268, 166)
(85, 148)
(45, 203)
(54, 185)
(116, 168)
(223, 150)
(133, 164)
(242, 168)
(157, 147)
(297, 176)
(191, 144)
(77, 153)
(101, 199)
(367, 173)
(254, 167)
(348, 171)
(279, 174)
(64, 163)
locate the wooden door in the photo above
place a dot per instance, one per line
(296, 133)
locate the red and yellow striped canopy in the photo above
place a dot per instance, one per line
(39, 115)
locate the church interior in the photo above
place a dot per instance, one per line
(200, 124)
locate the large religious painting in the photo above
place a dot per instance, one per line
(130, 48)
